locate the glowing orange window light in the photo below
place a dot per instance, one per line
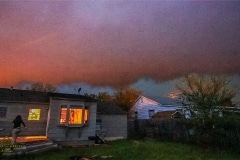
(86, 115)
(75, 116)
(63, 118)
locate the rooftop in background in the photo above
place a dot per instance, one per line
(16, 95)
(165, 101)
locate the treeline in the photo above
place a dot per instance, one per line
(122, 97)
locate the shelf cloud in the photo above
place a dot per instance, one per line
(114, 43)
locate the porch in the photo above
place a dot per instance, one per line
(24, 139)
(25, 145)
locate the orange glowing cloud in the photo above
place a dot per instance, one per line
(116, 43)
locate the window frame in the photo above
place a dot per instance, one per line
(151, 112)
(68, 109)
(37, 114)
(136, 115)
(3, 110)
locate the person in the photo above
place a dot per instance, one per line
(17, 127)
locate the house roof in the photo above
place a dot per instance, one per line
(232, 109)
(16, 95)
(166, 101)
(163, 115)
(167, 115)
(108, 108)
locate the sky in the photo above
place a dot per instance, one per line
(100, 45)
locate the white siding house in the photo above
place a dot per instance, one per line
(145, 108)
(62, 118)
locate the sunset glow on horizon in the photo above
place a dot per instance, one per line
(114, 43)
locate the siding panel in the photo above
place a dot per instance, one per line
(34, 127)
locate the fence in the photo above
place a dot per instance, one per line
(170, 129)
(225, 134)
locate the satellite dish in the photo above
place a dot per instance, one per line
(79, 89)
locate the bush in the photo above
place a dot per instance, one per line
(221, 132)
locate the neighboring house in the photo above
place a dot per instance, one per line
(145, 108)
(175, 103)
(61, 117)
(232, 110)
(168, 115)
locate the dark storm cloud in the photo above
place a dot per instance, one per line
(111, 43)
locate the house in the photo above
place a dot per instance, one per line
(60, 117)
(145, 108)
(112, 120)
(168, 115)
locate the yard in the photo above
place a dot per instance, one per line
(133, 150)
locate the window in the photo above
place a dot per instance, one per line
(187, 114)
(151, 113)
(3, 112)
(98, 124)
(63, 119)
(74, 115)
(34, 114)
(136, 115)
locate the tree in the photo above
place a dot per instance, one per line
(205, 94)
(101, 96)
(122, 97)
(44, 87)
(125, 97)
(104, 96)
(94, 96)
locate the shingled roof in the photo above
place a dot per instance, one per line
(27, 96)
(16, 95)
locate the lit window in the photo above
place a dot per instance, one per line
(75, 115)
(34, 114)
(86, 113)
(63, 119)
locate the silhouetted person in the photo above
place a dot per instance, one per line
(17, 127)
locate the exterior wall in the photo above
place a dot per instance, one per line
(34, 127)
(114, 125)
(142, 101)
(57, 132)
(143, 113)
(143, 105)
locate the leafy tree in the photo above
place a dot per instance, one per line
(125, 97)
(205, 94)
(104, 96)
(44, 87)
(101, 96)
(122, 97)
(94, 96)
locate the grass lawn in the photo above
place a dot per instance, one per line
(134, 150)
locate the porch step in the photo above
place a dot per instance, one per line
(32, 147)
(40, 147)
